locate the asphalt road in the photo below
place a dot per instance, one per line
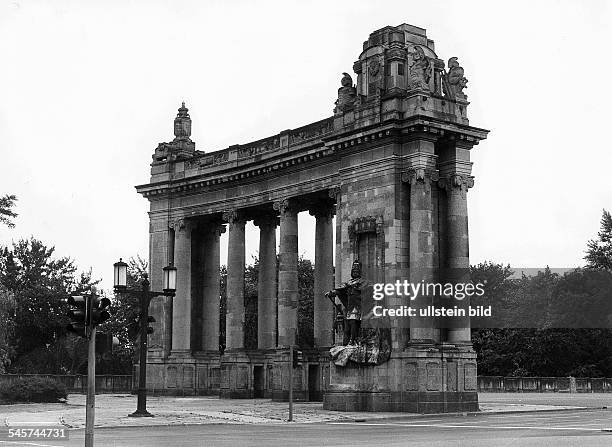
(564, 428)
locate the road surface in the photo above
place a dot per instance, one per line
(563, 428)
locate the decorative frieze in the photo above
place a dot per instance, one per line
(260, 147)
(312, 131)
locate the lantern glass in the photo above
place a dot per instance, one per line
(120, 274)
(169, 279)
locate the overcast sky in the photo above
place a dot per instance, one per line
(88, 89)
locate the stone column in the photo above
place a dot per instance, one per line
(181, 306)
(287, 274)
(234, 318)
(421, 246)
(458, 260)
(266, 288)
(161, 307)
(335, 193)
(323, 276)
(211, 287)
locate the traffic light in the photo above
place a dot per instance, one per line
(78, 314)
(150, 319)
(297, 358)
(99, 310)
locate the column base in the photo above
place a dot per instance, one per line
(183, 374)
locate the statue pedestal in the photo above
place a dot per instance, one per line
(416, 380)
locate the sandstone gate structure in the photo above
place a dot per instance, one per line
(393, 165)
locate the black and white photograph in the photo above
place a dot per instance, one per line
(305, 223)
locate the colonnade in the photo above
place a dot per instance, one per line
(195, 244)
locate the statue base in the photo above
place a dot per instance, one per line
(416, 380)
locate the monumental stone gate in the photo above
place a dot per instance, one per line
(393, 165)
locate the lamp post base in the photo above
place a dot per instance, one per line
(141, 414)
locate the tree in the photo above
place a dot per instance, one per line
(251, 280)
(306, 303)
(7, 327)
(599, 251)
(7, 202)
(40, 285)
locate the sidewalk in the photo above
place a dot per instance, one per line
(112, 410)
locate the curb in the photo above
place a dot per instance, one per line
(471, 413)
(371, 419)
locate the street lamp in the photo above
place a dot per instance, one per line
(169, 279)
(145, 295)
(120, 275)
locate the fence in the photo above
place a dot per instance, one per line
(78, 383)
(488, 384)
(500, 384)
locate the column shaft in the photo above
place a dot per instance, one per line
(458, 246)
(234, 318)
(287, 275)
(211, 289)
(181, 305)
(161, 307)
(323, 280)
(421, 249)
(266, 289)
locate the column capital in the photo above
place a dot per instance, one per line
(284, 206)
(266, 220)
(420, 175)
(334, 193)
(216, 229)
(322, 210)
(458, 182)
(233, 217)
(179, 223)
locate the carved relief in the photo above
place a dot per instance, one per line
(346, 94)
(374, 67)
(368, 224)
(258, 148)
(419, 68)
(309, 132)
(454, 80)
(209, 160)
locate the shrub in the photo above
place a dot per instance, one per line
(33, 389)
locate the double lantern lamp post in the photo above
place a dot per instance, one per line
(145, 295)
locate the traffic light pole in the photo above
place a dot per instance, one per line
(90, 404)
(145, 298)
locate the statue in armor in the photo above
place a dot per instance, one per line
(349, 295)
